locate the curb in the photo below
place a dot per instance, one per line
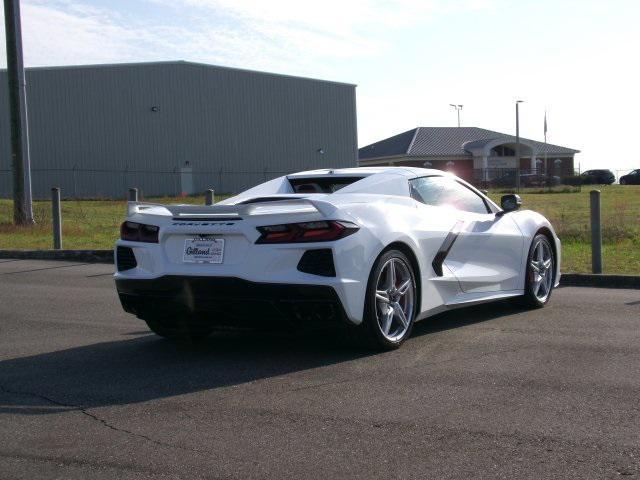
(88, 256)
(599, 281)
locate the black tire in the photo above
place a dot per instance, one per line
(530, 299)
(369, 333)
(178, 329)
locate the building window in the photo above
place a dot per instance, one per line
(502, 151)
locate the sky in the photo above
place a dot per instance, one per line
(410, 59)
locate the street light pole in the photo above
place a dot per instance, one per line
(458, 109)
(518, 102)
(22, 201)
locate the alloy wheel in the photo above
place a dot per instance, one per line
(541, 265)
(395, 294)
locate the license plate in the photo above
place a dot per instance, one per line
(208, 250)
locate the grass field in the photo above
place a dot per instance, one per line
(94, 224)
(86, 224)
(569, 214)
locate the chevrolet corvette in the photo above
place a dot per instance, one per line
(372, 250)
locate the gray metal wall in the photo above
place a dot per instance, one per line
(94, 134)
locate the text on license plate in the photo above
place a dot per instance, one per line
(203, 250)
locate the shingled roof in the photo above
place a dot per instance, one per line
(444, 142)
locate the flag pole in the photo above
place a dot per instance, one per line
(545, 141)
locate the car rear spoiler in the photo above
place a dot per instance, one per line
(278, 207)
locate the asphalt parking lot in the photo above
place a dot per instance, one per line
(489, 392)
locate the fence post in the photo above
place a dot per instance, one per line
(75, 188)
(209, 197)
(596, 232)
(56, 216)
(133, 195)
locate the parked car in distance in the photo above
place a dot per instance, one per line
(631, 178)
(600, 177)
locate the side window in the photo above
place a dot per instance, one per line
(427, 189)
(462, 198)
(447, 192)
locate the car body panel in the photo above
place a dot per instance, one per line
(502, 246)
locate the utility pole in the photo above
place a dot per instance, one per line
(20, 164)
(518, 102)
(458, 109)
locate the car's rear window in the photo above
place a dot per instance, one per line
(321, 184)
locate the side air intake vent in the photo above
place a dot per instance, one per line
(125, 259)
(318, 262)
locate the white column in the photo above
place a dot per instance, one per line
(534, 167)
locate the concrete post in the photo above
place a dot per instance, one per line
(133, 195)
(596, 232)
(56, 217)
(485, 168)
(209, 197)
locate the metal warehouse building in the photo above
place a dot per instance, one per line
(175, 128)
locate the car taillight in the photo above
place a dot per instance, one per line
(322, 231)
(139, 232)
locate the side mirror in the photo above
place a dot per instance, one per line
(510, 203)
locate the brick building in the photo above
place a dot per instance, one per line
(470, 152)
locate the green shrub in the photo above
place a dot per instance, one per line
(588, 180)
(573, 180)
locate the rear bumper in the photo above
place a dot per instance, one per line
(229, 300)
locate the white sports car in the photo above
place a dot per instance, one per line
(371, 249)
